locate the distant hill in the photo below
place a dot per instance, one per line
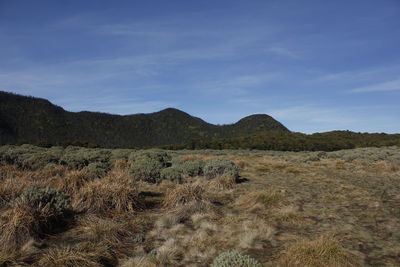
(37, 121)
(291, 141)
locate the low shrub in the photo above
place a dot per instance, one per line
(34, 213)
(78, 157)
(54, 200)
(172, 174)
(192, 167)
(232, 258)
(97, 169)
(147, 165)
(220, 167)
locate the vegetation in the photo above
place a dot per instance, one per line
(29, 120)
(261, 208)
(290, 141)
(220, 168)
(232, 258)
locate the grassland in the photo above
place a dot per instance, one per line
(281, 208)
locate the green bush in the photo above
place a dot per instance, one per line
(78, 157)
(146, 165)
(192, 167)
(119, 154)
(54, 200)
(220, 167)
(232, 258)
(172, 174)
(97, 169)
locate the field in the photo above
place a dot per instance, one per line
(98, 207)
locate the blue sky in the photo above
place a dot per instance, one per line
(313, 65)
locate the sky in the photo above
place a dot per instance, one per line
(314, 65)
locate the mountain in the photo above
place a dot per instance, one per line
(33, 120)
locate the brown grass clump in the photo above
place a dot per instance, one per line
(324, 251)
(259, 199)
(183, 195)
(85, 255)
(223, 183)
(73, 181)
(116, 192)
(120, 164)
(35, 213)
(10, 189)
(139, 262)
(22, 222)
(185, 158)
(95, 229)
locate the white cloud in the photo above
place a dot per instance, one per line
(314, 118)
(379, 87)
(279, 50)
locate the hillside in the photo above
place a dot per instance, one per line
(37, 121)
(292, 141)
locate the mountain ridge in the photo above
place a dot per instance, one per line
(27, 119)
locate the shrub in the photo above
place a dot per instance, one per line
(147, 165)
(28, 156)
(97, 169)
(56, 201)
(77, 157)
(172, 174)
(232, 258)
(192, 167)
(34, 213)
(220, 167)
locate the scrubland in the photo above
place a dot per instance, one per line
(97, 207)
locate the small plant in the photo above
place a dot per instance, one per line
(97, 169)
(54, 200)
(147, 165)
(34, 213)
(78, 158)
(232, 258)
(192, 167)
(172, 174)
(220, 167)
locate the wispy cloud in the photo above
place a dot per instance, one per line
(379, 87)
(314, 118)
(279, 50)
(237, 85)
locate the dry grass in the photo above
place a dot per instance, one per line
(10, 189)
(72, 181)
(85, 255)
(22, 222)
(259, 199)
(223, 183)
(324, 251)
(139, 262)
(120, 164)
(183, 195)
(115, 193)
(270, 216)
